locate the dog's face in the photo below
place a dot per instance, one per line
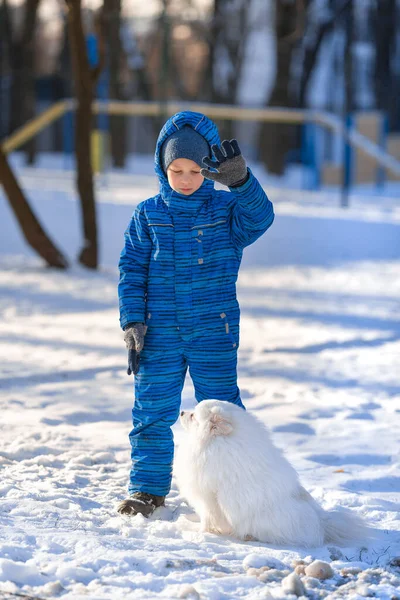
(210, 419)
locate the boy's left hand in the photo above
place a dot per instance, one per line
(133, 362)
(229, 163)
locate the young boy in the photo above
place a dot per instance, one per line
(178, 274)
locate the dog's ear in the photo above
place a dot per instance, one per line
(219, 425)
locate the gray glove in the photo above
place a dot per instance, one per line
(230, 164)
(134, 336)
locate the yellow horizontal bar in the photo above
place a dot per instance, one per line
(214, 111)
(153, 109)
(32, 127)
(220, 111)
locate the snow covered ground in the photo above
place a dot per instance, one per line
(319, 364)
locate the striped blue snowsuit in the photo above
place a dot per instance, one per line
(178, 274)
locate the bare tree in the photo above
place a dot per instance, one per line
(386, 23)
(315, 34)
(21, 53)
(5, 71)
(136, 63)
(85, 79)
(348, 26)
(227, 41)
(394, 121)
(112, 35)
(277, 139)
(34, 233)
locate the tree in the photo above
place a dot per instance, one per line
(316, 31)
(21, 54)
(31, 227)
(227, 40)
(277, 139)
(386, 23)
(112, 34)
(85, 79)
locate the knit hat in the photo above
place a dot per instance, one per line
(184, 143)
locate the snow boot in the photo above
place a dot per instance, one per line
(140, 502)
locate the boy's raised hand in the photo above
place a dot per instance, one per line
(229, 163)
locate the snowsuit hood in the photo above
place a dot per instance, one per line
(205, 127)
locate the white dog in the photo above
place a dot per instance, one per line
(240, 484)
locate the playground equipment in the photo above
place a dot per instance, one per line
(362, 137)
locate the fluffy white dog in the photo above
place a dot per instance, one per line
(240, 484)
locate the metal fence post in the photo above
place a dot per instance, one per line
(347, 162)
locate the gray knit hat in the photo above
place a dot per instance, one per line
(184, 143)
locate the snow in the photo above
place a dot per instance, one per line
(318, 363)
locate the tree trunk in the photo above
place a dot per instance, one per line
(31, 228)
(23, 76)
(216, 33)
(320, 30)
(349, 104)
(5, 69)
(30, 20)
(227, 40)
(385, 23)
(84, 88)
(276, 139)
(112, 22)
(394, 100)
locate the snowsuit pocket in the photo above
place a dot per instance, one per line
(205, 236)
(228, 330)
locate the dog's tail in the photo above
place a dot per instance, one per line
(344, 528)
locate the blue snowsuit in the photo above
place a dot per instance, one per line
(178, 273)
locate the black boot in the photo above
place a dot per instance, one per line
(140, 502)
